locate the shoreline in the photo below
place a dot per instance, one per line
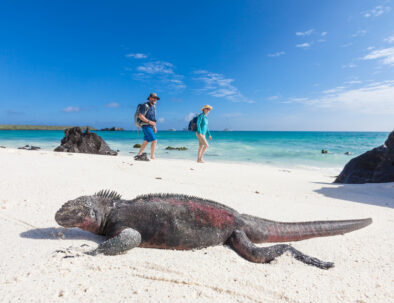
(62, 128)
(130, 156)
(273, 148)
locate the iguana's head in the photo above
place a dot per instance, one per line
(75, 212)
(86, 212)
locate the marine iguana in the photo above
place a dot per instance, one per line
(173, 221)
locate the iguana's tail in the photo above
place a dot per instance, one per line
(261, 230)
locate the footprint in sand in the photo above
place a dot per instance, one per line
(72, 251)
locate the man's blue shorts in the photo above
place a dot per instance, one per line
(149, 135)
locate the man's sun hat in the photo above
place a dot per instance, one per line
(206, 106)
(153, 95)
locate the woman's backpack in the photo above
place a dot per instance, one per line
(193, 124)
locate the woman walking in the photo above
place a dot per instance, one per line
(202, 131)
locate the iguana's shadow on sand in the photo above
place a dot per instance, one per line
(60, 233)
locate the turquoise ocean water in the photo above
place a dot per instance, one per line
(277, 148)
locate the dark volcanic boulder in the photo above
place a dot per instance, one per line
(28, 147)
(142, 157)
(374, 166)
(75, 141)
(176, 148)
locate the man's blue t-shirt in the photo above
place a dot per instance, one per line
(151, 113)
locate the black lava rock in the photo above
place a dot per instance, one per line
(176, 148)
(75, 141)
(374, 166)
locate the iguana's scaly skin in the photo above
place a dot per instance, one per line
(172, 221)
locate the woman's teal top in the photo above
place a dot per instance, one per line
(202, 125)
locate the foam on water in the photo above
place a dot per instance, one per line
(277, 148)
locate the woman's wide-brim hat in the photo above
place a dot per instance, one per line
(153, 95)
(206, 106)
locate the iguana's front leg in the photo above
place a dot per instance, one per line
(243, 246)
(127, 239)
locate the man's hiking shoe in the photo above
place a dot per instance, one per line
(142, 157)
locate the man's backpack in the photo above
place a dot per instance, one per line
(137, 121)
(193, 124)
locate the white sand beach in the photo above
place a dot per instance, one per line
(33, 267)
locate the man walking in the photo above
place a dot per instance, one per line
(147, 114)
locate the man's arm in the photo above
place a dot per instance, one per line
(144, 119)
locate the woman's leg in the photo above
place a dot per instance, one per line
(199, 153)
(204, 147)
(199, 147)
(152, 149)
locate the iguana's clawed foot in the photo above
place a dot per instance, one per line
(127, 239)
(307, 259)
(243, 246)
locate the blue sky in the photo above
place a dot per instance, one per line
(262, 65)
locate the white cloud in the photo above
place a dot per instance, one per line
(303, 45)
(161, 120)
(160, 71)
(271, 98)
(370, 48)
(297, 100)
(156, 67)
(217, 85)
(377, 11)
(353, 82)
(71, 109)
(386, 55)
(349, 65)
(309, 33)
(137, 56)
(190, 116)
(346, 44)
(359, 33)
(306, 33)
(112, 105)
(334, 90)
(389, 39)
(176, 82)
(374, 98)
(277, 54)
(141, 76)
